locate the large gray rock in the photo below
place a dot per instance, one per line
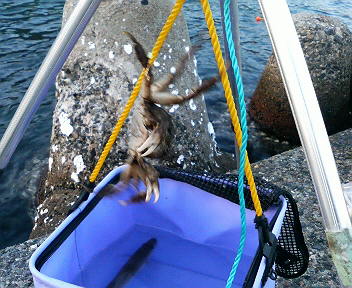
(94, 86)
(327, 46)
(289, 171)
(14, 271)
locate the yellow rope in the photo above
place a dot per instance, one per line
(229, 99)
(155, 52)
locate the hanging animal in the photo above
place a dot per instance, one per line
(152, 129)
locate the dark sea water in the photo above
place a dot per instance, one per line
(27, 30)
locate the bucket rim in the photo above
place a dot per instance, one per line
(36, 274)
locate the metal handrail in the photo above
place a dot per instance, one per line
(234, 14)
(45, 76)
(312, 132)
(307, 114)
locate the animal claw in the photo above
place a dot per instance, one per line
(150, 150)
(149, 190)
(150, 144)
(144, 145)
(156, 192)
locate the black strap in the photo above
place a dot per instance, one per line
(268, 245)
(83, 196)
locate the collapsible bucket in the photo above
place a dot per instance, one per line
(189, 238)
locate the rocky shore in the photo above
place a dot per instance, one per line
(288, 171)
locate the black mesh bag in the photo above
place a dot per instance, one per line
(292, 253)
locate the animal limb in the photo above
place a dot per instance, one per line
(158, 123)
(140, 52)
(163, 83)
(152, 129)
(140, 169)
(166, 98)
(140, 197)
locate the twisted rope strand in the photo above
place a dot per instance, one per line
(229, 100)
(243, 145)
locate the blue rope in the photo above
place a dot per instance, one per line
(243, 145)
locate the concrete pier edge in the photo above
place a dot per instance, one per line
(287, 170)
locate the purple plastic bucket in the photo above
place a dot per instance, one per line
(197, 235)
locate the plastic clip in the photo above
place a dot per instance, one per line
(268, 245)
(144, 2)
(83, 196)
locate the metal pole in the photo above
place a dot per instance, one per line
(312, 132)
(234, 14)
(307, 114)
(235, 17)
(45, 76)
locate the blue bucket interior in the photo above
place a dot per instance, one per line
(197, 235)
